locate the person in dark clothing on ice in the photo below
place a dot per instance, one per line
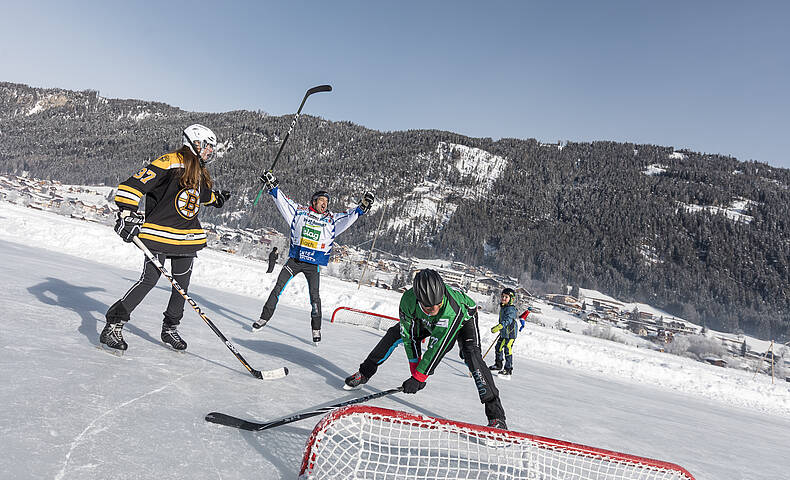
(175, 187)
(445, 316)
(272, 260)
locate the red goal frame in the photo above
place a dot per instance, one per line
(395, 416)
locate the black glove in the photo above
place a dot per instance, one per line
(412, 385)
(269, 180)
(220, 197)
(367, 201)
(127, 224)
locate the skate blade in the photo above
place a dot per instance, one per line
(170, 347)
(110, 350)
(505, 377)
(347, 387)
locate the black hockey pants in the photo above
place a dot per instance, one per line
(291, 268)
(469, 343)
(180, 269)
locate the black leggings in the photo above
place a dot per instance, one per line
(381, 351)
(180, 269)
(291, 268)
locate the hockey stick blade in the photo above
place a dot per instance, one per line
(320, 88)
(270, 374)
(231, 421)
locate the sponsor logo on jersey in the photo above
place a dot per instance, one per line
(307, 243)
(311, 232)
(188, 203)
(310, 236)
(306, 255)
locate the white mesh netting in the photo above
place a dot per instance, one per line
(362, 442)
(360, 318)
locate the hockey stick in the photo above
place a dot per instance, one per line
(492, 344)
(230, 421)
(319, 88)
(262, 375)
(370, 252)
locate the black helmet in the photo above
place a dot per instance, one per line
(428, 288)
(510, 292)
(318, 194)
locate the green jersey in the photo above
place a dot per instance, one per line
(440, 329)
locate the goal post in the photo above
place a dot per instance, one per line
(362, 318)
(364, 442)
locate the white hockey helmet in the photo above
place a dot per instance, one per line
(199, 138)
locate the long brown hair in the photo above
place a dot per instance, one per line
(193, 175)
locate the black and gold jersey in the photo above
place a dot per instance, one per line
(171, 210)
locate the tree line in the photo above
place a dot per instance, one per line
(586, 214)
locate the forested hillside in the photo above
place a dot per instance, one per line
(704, 236)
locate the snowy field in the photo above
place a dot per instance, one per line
(74, 412)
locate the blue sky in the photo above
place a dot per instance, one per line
(713, 76)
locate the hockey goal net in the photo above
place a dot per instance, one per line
(361, 318)
(363, 442)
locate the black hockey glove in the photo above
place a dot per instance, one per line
(412, 385)
(367, 201)
(269, 180)
(127, 224)
(220, 197)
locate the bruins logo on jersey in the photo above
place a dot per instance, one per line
(188, 203)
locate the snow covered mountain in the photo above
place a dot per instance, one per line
(72, 411)
(701, 236)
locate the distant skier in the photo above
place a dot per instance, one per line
(507, 326)
(175, 186)
(433, 310)
(313, 231)
(272, 260)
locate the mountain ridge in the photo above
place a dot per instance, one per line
(644, 222)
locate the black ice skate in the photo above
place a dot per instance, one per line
(505, 374)
(497, 423)
(259, 324)
(171, 337)
(316, 337)
(496, 366)
(355, 381)
(111, 338)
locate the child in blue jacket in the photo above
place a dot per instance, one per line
(508, 332)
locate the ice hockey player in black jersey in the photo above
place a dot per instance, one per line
(175, 186)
